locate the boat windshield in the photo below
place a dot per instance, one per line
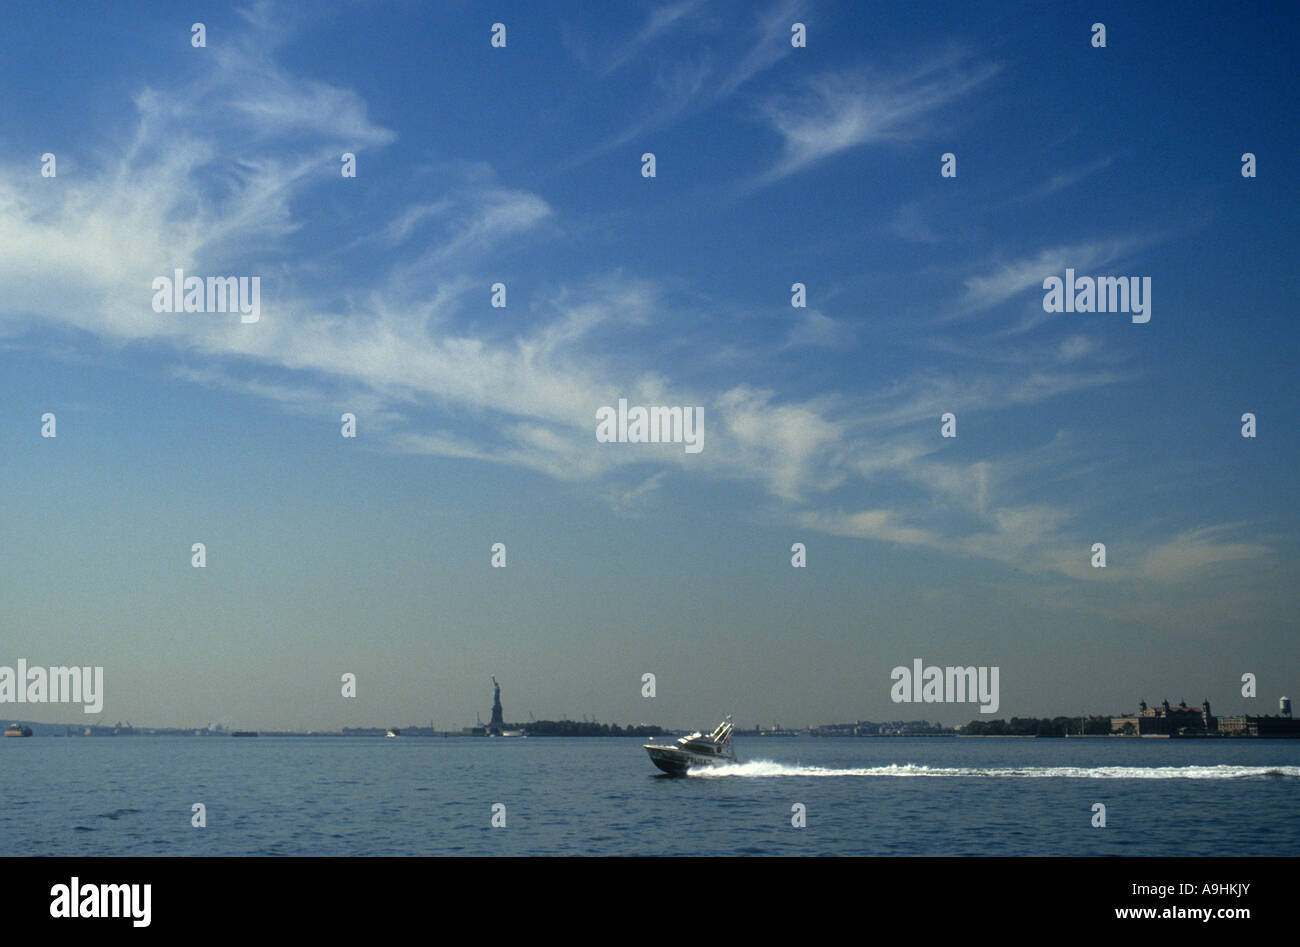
(720, 736)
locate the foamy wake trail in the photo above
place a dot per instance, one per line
(769, 768)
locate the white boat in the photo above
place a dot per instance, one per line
(394, 733)
(695, 750)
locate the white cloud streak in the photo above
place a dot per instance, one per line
(841, 110)
(80, 253)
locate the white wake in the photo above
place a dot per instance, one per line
(769, 768)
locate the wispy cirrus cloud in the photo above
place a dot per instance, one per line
(840, 110)
(397, 339)
(767, 45)
(1196, 551)
(661, 21)
(702, 74)
(1036, 538)
(815, 328)
(401, 228)
(1066, 179)
(1006, 280)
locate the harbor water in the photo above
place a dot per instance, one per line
(363, 796)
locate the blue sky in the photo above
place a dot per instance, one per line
(521, 165)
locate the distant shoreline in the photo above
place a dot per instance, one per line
(461, 735)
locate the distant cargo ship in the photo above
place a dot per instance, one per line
(244, 733)
(17, 730)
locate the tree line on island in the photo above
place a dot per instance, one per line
(1037, 727)
(582, 728)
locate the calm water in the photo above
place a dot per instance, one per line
(418, 796)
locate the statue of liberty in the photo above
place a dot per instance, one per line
(498, 723)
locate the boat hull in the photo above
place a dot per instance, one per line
(675, 762)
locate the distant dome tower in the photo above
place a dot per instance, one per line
(1284, 705)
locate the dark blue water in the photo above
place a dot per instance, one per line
(414, 796)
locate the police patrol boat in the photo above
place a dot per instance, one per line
(695, 750)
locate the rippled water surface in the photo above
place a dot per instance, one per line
(422, 796)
